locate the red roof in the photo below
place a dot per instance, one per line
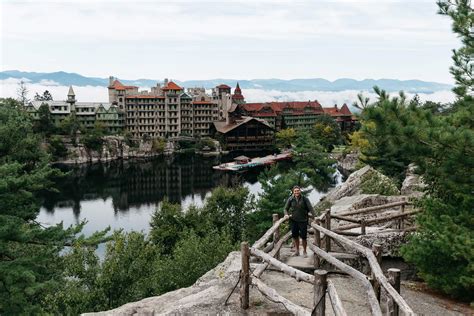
(172, 86)
(334, 111)
(117, 85)
(277, 107)
(223, 86)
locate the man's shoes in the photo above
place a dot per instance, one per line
(305, 255)
(296, 254)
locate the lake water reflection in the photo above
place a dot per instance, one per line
(124, 194)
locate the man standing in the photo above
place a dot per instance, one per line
(297, 208)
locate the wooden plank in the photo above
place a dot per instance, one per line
(245, 275)
(374, 266)
(297, 274)
(261, 242)
(273, 295)
(373, 208)
(261, 268)
(336, 303)
(372, 299)
(328, 227)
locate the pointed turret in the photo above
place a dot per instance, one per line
(71, 99)
(71, 92)
(237, 97)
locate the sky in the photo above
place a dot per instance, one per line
(240, 39)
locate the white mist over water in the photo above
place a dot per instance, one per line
(9, 87)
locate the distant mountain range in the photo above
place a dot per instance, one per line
(317, 84)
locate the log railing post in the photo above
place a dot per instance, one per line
(400, 222)
(317, 243)
(320, 287)
(328, 227)
(245, 275)
(362, 226)
(394, 279)
(377, 250)
(276, 235)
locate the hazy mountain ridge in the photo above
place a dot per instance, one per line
(316, 84)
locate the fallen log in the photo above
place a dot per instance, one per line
(297, 274)
(273, 295)
(335, 300)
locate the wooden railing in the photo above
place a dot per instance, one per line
(323, 236)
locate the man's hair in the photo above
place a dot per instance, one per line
(296, 187)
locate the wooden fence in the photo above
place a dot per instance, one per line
(323, 237)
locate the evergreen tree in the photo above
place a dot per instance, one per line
(30, 265)
(327, 132)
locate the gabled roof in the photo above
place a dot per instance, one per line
(334, 111)
(117, 85)
(144, 96)
(298, 107)
(172, 86)
(223, 127)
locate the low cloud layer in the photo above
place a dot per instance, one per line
(9, 87)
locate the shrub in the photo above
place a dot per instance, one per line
(376, 183)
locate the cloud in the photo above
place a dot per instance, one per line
(326, 98)
(330, 98)
(46, 82)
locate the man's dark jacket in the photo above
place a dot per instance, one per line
(299, 208)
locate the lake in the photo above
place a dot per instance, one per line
(124, 194)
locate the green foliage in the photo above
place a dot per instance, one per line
(229, 207)
(193, 256)
(57, 147)
(70, 126)
(462, 16)
(46, 96)
(44, 124)
(376, 183)
(443, 247)
(167, 223)
(30, 264)
(312, 161)
(158, 145)
(93, 139)
(205, 143)
(285, 138)
(327, 132)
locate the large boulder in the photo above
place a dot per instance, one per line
(413, 184)
(206, 297)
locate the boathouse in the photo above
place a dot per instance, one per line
(244, 134)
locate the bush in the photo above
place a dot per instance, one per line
(57, 147)
(158, 145)
(377, 183)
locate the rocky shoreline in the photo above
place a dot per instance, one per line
(116, 148)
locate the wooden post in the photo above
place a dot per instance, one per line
(362, 226)
(245, 275)
(317, 243)
(400, 221)
(377, 250)
(394, 279)
(276, 235)
(320, 287)
(328, 227)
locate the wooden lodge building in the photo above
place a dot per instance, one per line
(237, 132)
(297, 115)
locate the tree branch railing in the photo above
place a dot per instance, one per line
(374, 265)
(270, 256)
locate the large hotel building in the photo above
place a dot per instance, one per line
(168, 111)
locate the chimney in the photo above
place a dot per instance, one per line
(111, 80)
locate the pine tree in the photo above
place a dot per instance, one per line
(30, 264)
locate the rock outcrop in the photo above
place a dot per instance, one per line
(114, 147)
(413, 184)
(347, 163)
